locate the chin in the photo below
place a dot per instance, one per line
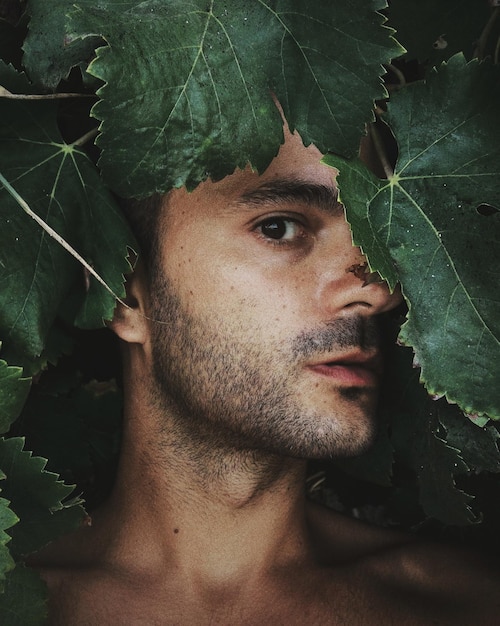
(324, 437)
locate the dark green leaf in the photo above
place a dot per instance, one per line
(48, 56)
(419, 446)
(61, 185)
(201, 103)
(478, 446)
(37, 497)
(7, 520)
(424, 228)
(24, 602)
(13, 393)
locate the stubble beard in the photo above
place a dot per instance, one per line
(223, 392)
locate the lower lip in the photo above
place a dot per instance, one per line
(349, 375)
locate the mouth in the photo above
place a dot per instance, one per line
(353, 370)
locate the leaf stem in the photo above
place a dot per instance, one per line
(5, 93)
(52, 233)
(87, 137)
(380, 150)
(397, 73)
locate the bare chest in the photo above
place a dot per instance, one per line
(86, 600)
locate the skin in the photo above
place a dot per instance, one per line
(242, 358)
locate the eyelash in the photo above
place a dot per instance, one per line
(283, 220)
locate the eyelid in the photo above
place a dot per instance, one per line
(293, 216)
(296, 241)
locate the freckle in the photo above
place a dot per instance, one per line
(176, 530)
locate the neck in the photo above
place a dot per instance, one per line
(242, 510)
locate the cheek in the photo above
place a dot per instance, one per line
(253, 296)
(261, 289)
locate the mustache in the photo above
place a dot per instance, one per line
(352, 332)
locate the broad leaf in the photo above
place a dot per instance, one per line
(37, 497)
(419, 446)
(61, 185)
(7, 520)
(48, 55)
(24, 602)
(77, 429)
(477, 445)
(199, 103)
(13, 392)
(435, 226)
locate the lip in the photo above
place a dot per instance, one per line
(355, 370)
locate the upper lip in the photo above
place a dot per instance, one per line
(369, 360)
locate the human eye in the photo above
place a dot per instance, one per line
(281, 230)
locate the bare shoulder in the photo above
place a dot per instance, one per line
(435, 583)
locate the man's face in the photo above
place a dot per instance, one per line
(269, 339)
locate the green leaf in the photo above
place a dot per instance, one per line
(76, 429)
(48, 56)
(420, 446)
(62, 186)
(24, 601)
(37, 497)
(201, 103)
(478, 445)
(435, 30)
(426, 227)
(7, 520)
(13, 393)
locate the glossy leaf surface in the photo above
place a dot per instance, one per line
(435, 226)
(200, 104)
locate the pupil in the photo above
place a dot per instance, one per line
(275, 229)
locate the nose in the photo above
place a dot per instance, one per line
(347, 286)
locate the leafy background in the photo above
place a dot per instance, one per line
(91, 110)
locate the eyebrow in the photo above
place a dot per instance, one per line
(281, 191)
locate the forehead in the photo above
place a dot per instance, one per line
(294, 162)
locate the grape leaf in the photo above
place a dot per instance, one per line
(37, 497)
(24, 602)
(48, 55)
(13, 393)
(435, 30)
(423, 227)
(199, 103)
(62, 186)
(477, 445)
(420, 446)
(7, 520)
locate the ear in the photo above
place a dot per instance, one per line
(130, 321)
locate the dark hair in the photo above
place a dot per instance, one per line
(143, 218)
